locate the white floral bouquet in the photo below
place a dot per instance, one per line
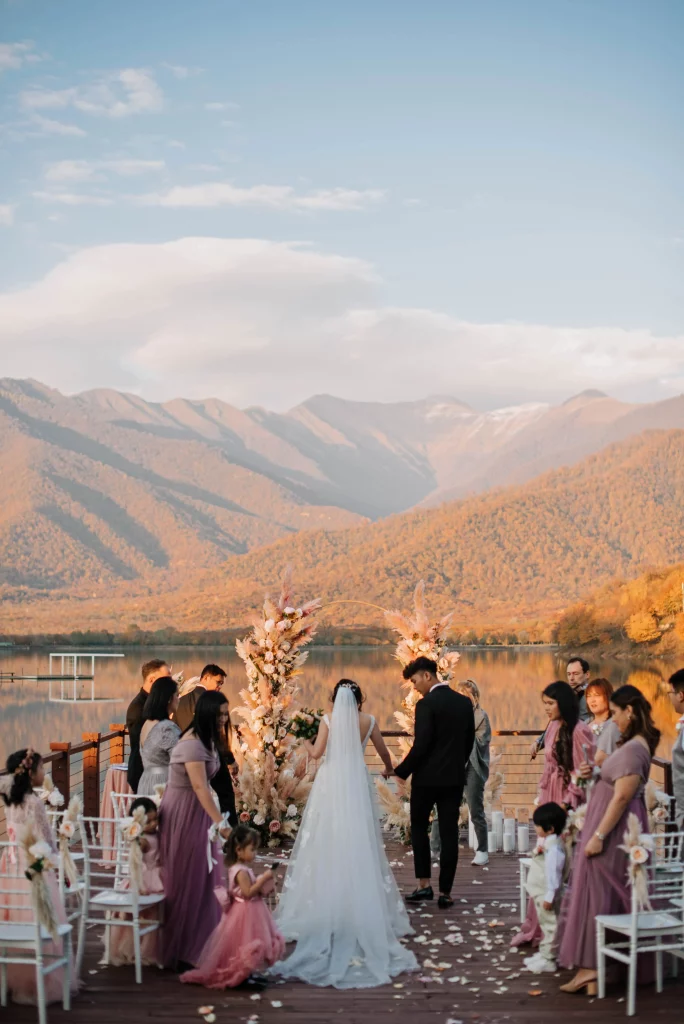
(65, 836)
(49, 794)
(638, 846)
(272, 777)
(132, 830)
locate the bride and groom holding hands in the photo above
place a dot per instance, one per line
(340, 900)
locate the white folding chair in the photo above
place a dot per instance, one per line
(656, 931)
(107, 895)
(22, 939)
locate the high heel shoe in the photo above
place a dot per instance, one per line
(589, 987)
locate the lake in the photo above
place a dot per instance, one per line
(511, 682)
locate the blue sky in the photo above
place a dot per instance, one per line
(489, 196)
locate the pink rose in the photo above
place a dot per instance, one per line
(244, 816)
(274, 826)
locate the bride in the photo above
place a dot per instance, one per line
(340, 900)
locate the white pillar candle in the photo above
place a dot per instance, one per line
(523, 838)
(508, 843)
(509, 826)
(472, 838)
(497, 828)
(491, 842)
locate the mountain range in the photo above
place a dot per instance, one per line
(114, 506)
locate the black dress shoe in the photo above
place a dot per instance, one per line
(254, 983)
(418, 895)
(444, 902)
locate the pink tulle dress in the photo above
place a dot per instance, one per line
(121, 943)
(21, 980)
(244, 941)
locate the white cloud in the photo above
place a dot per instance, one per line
(221, 105)
(95, 170)
(6, 214)
(180, 71)
(120, 94)
(73, 198)
(276, 197)
(13, 56)
(272, 323)
(47, 126)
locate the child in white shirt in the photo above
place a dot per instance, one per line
(544, 882)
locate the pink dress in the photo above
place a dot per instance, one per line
(555, 788)
(21, 980)
(121, 943)
(245, 939)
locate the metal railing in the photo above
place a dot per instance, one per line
(80, 768)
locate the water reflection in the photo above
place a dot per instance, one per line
(510, 681)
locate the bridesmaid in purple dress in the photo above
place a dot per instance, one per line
(186, 813)
(568, 743)
(599, 873)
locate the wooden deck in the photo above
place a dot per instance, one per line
(496, 990)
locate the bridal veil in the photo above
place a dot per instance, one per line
(340, 901)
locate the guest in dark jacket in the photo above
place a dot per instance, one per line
(151, 671)
(437, 762)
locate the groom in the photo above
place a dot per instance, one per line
(444, 737)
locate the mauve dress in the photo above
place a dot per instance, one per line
(553, 788)
(599, 884)
(191, 912)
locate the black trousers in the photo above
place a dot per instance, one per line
(448, 801)
(222, 784)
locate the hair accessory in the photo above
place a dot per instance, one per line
(27, 764)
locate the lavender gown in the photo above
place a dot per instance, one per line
(599, 884)
(191, 912)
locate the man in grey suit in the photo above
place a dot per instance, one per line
(676, 685)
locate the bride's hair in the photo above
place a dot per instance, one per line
(355, 689)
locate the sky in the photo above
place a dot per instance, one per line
(380, 200)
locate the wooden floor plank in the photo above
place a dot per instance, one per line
(110, 995)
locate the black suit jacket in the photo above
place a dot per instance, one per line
(134, 723)
(445, 733)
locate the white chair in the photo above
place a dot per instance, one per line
(24, 941)
(107, 895)
(656, 931)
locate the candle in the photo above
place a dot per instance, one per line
(491, 842)
(523, 839)
(508, 843)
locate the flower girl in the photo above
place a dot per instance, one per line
(121, 945)
(246, 938)
(25, 814)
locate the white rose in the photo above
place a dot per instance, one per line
(40, 850)
(289, 611)
(55, 798)
(283, 625)
(259, 819)
(268, 656)
(67, 829)
(291, 811)
(268, 669)
(268, 625)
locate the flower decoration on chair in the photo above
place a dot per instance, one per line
(638, 846)
(49, 794)
(40, 858)
(132, 831)
(159, 792)
(418, 638)
(272, 775)
(65, 834)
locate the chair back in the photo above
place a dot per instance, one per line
(104, 848)
(121, 802)
(16, 902)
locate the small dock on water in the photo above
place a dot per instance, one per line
(479, 981)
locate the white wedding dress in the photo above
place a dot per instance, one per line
(340, 900)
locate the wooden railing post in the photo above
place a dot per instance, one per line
(116, 745)
(61, 769)
(91, 775)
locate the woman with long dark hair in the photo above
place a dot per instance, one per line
(186, 813)
(599, 878)
(159, 735)
(568, 743)
(23, 808)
